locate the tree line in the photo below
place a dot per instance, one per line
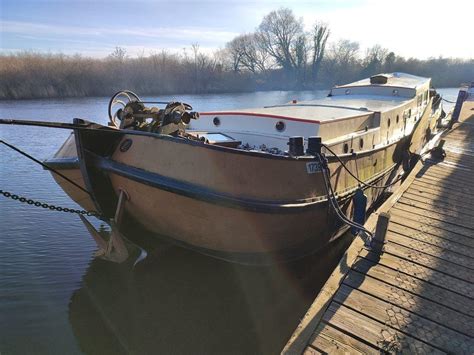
(278, 55)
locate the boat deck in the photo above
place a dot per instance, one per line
(413, 292)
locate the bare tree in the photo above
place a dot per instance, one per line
(247, 53)
(236, 50)
(344, 52)
(278, 34)
(319, 34)
(373, 60)
(119, 54)
(341, 63)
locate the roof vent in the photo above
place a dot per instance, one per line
(379, 79)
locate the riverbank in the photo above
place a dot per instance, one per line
(32, 75)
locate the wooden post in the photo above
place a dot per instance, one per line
(382, 226)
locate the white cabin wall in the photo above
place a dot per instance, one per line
(256, 130)
(331, 129)
(374, 90)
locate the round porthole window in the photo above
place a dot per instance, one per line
(280, 126)
(395, 92)
(345, 148)
(216, 121)
(348, 91)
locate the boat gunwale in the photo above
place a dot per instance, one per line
(201, 193)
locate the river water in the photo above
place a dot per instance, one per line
(57, 298)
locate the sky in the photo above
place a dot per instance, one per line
(411, 28)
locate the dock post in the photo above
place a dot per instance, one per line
(382, 226)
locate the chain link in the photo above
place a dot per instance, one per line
(46, 205)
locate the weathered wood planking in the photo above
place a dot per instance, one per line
(425, 273)
(413, 292)
(398, 226)
(404, 281)
(334, 341)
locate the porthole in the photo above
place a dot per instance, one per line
(216, 121)
(361, 143)
(388, 123)
(345, 148)
(395, 92)
(280, 126)
(125, 145)
(348, 91)
(398, 118)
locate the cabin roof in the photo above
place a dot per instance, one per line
(327, 109)
(393, 80)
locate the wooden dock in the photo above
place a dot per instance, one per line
(414, 291)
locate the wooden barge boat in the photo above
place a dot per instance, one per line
(249, 183)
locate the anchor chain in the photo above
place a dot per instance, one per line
(47, 206)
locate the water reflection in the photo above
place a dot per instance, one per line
(178, 301)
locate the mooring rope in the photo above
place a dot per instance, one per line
(451, 102)
(335, 205)
(43, 165)
(367, 184)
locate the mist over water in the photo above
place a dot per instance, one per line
(56, 298)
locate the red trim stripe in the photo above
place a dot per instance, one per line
(276, 117)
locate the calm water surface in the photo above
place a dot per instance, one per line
(57, 298)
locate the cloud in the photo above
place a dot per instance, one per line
(188, 34)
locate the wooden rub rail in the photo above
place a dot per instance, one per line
(413, 292)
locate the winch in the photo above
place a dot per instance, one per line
(127, 111)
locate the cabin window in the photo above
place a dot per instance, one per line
(348, 91)
(216, 121)
(361, 143)
(280, 126)
(409, 113)
(345, 148)
(388, 122)
(398, 118)
(419, 99)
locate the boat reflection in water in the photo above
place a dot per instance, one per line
(178, 301)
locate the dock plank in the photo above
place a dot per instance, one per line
(436, 223)
(431, 177)
(397, 318)
(441, 189)
(439, 216)
(458, 188)
(421, 272)
(400, 226)
(442, 252)
(440, 203)
(394, 318)
(332, 341)
(375, 333)
(416, 286)
(411, 302)
(430, 261)
(440, 197)
(433, 206)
